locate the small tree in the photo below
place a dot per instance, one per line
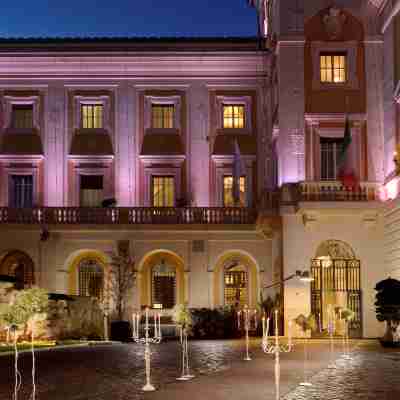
(120, 280)
(388, 307)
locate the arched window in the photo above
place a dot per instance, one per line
(91, 278)
(235, 284)
(19, 265)
(164, 285)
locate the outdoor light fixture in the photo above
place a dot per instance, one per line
(304, 276)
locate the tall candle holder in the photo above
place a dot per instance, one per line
(186, 375)
(247, 320)
(276, 348)
(331, 330)
(147, 340)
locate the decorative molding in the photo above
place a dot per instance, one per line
(370, 220)
(333, 21)
(310, 220)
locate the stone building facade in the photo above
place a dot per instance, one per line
(161, 126)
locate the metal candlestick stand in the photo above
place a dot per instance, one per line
(276, 348)
(186, 375)
(147, 340)
(245, 318)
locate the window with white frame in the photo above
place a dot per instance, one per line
(21, 191)
(92, 116)
(228, 195)
(163, 191)
(233, 116)
(91, 190)
(162, 116)
(22, 116)
(331, 149)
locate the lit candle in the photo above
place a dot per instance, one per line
(137, 324)
(276, 328)
(255, 319)
(267, 329)
(134, 324)
(159, 325)
(238, 319)
(147, 322)
(290, 334)
(263, 325)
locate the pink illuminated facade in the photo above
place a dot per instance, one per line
(150, 126)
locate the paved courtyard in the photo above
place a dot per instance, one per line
(116, 372)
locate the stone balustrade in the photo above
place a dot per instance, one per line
(128, 215)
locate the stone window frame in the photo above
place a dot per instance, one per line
(171, 167)
(10, 101)
(80, 100)
(223, 167)
(315, 132)
(150, 100)
(350, 50)
(31, 168)
(79, 168)
(246, 101)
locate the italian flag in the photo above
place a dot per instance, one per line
(345, 172)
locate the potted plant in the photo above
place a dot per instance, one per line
(388, 310)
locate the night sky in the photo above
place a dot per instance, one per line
(21, 18)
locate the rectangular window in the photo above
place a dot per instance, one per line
(21, 191)
(330, 152)
(228, 192)
(234, 116)
(22, 116)
(92, 116)
(91, 190)
(163, 191)
(162, 115)
(333, 67)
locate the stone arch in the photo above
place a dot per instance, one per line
(145, 267)
(335, 249)
(19, 264)
(236, 257)
(75, 259)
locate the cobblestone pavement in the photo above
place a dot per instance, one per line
(371, 373)
(116, 372)
(111, 371)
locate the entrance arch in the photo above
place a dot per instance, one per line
(235, 280)
(18, 264)
(337, 283)
(162, 279)
(86, 271)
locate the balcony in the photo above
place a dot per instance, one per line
(127, 216)
(335, 191)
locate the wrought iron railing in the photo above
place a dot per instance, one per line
(128, 215)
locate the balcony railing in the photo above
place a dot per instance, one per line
(335, 191)
(129, 215)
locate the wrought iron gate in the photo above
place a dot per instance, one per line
(338, 276)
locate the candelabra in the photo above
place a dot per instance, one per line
(248, 319)
(147, 340)
(186, 375)
(276, 348)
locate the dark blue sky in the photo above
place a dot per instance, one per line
(126, 18)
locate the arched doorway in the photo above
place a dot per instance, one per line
(18, 264)
(235, 280)
(336, 273)
(162, 283)
(87, 274)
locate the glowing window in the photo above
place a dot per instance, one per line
(92, 116)
(235, 285)
(164, 285)
(163, 191)
(91, 278)
(22, 116)
(233, 116)
(333, 68)
(228, 192)
(162, 115)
